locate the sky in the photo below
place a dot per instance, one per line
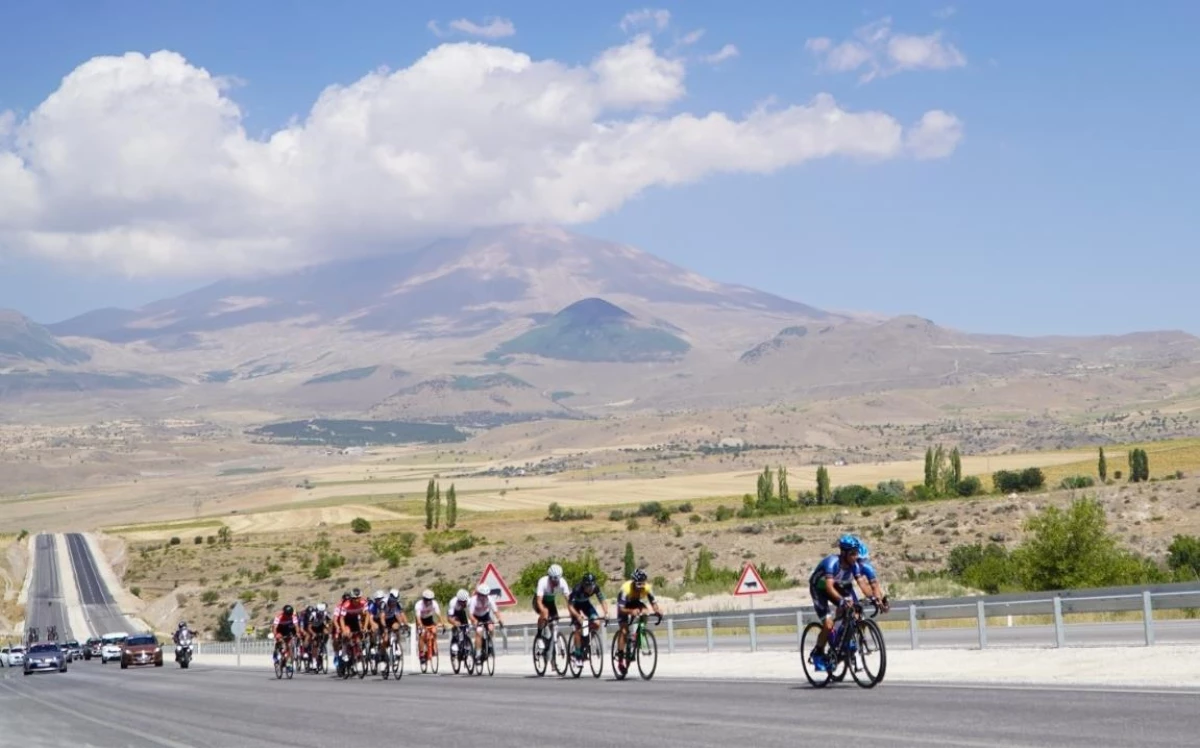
(1013, 167)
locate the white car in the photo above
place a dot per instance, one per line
(111, 646)
(13, 657)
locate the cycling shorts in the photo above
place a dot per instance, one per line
(586, 609)
(551, 607)
(638, 605)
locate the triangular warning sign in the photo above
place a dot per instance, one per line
(750, 583)
(491, 577)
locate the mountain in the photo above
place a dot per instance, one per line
(453, 287)
(476, 401)
(23, 340)
(595, 330)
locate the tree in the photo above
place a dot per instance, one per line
(687, 571)
(630, 559)
(451, 507)
(784, 495)
(766, 490)
(437, 506)
(1183, 556)
(224, 629)
(429, 494)
(1102, 467)
(930, 476)
(1073, 549)
(360, 526)
(823, 495)
(1139, 466)
(956, 475)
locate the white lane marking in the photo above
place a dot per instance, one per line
(168, 743)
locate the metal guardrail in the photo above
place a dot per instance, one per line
(744, 625)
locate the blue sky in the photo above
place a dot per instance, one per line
(1067, 207)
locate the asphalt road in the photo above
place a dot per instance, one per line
(44, 607)
(100, 610)
(222, 708)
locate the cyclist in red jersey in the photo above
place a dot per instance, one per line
(286, 626)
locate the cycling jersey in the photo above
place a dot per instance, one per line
(458, 610)
(547, 589)
(352, 612)
(286, 624)
(579, 594)
(483, 609)
(867, 570)
(318, 621)
(425, 610)
(831, 566)
(391, 610)
(630, 597)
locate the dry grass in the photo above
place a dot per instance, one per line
(1165, 459)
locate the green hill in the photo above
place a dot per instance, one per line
(594, 330)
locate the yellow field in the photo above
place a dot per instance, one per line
(1165, 459)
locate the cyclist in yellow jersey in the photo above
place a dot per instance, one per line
(631, 602)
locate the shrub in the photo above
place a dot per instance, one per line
(1008, 481)
(723, 513)
(631, 524)
(393, 547)
(209, 597)
(450, 541)
(905, 513)
(695, 519)
(137, 591)
(198, 540)
(211, 540)
(616, 515)
(22, 535)
(1077, 481)
(360, 525)
(573, 569)
(557, 514)
(684, 508)
(969, 486)
(175, 541)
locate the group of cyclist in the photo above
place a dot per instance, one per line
(358, 620)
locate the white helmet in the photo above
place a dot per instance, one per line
(463, 595)
(321, 607)
(378, 594)
(555, 571)
(393, 592)
(427, 594)
(483, 589)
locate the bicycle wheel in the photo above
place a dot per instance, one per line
(647, 655)
(595, 654)
(541, 653)
(574, 664)
(491, 657)
(364, 662)
(559, 654)
(618, 664)
(433, 655)
(808, 643)
(869, 641)
(278, 666)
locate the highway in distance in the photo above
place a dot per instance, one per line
(247, 708)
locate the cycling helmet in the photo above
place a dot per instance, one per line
(555, 571)
(395, 593)
(848, 543)
(288, 610)
(427, 594)
(346, 595)
(864, 553)
(589, 579)
(639, 576)
(483, 589)
(182, 625)
(463, 595)
(378, 594)
(357, 592)
(320, 607)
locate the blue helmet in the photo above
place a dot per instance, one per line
(849, 542)
(864, 553)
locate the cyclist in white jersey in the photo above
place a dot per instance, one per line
(482, 608)
(427, 613)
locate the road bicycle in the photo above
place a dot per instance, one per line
(393, 653)
(855, 639)
(318, 661)
(485, 657)
(353, 659)
(550, 646)
(286, 652)
(640, 645)
(462, 653)
(592, 646)
(429, 661)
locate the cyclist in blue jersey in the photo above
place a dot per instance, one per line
(873, 588)
(832, 582)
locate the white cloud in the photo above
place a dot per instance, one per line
(493, 28)
(878, 51)
(654, 18)
(728, 52)
(946, 12)
(142, 164)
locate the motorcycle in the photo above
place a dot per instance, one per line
(183, 652)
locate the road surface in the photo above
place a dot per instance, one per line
(100, 610)
(44, 607)
(203, 706)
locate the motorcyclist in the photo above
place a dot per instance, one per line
(182, 635)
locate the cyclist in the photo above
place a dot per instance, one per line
(427, 612)
(303, 615)
(354, 619)
(337, 625)
(631, 602)
(285, 628)
(480, 611)
(548, 587)
(579, 603)
(391, 615)
(457, 613)
(832, 581)
(318, 629)
(374, 607)
(873, 589)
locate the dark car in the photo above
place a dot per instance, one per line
(74, 651)
(141, 649)
(45, 656)
(91, 648)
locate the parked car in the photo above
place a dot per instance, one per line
(45, 656)
(141, 649)
(14, 656)
(91, 648)
(110, 648)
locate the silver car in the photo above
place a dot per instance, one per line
(45, 656)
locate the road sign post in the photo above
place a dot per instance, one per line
(237, 625)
